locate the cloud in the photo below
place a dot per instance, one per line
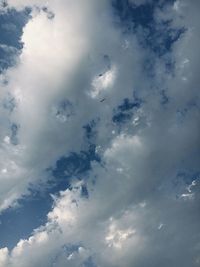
(51, 68)
(138, 211)
(61, 64)
(119, 223)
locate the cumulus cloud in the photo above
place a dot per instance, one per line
(57, 63)
(139, 209)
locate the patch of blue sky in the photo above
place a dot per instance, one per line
(122, 117)
(138, 15)
(75, 164)
(18, 223)
(11, 25)
(128, 104)
(187, 176)
(181, 184)
(157, 37)
(32, 210)
(132, 15)
(125, 111)
(184, 183)
(160, 38)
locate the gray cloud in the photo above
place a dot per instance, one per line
(140, 211)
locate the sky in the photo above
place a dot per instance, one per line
(99, 133)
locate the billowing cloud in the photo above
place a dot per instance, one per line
(78, 65)
(56, 65)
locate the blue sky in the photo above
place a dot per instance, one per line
(99, 112)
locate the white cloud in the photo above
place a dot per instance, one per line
(3, 256)
(134, 215)
(103, 82)
(57, 63)
(116, 237)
